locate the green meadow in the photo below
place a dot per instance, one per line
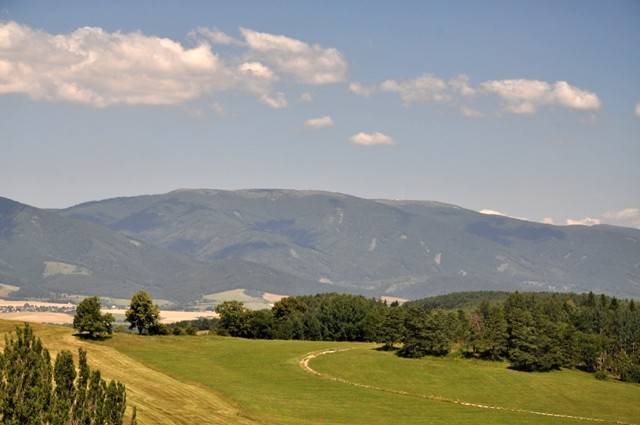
(211, 379)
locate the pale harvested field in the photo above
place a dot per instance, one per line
(38, 317)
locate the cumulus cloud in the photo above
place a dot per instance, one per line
(95, 67)
(99, 68)
(491, 212)
(422, 89)
(548, 220)
(623, 217)
(322, 122)
(256, 69)
(214, 36)
(587, 221)
(310, 64)
(518, 96)
(361, 89)
(371, 139)
(460, 85)
(526, 96)
(274, 100)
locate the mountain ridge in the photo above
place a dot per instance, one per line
(402, 248)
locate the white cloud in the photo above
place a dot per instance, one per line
(306, 97)
(519, 96)
(624, 214)
(310, 64)
(637, 111)
(548, 220)
(361, 90)
(94, 67)
(460, 85)
(99, 68)
(214, 36)
(526, 96)
(371, 139)
(575, 98)
(256, 69)
(422, 89)
(322, 122)
(623, 217)
(274, 100)
(491, 212)
(587, 221)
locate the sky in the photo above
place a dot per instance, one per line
(528, 109)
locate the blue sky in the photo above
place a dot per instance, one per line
(525, 108)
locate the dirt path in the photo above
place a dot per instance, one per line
(304, 364)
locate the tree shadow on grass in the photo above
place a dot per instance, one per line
(87, 337)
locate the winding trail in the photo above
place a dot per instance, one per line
(304, 364)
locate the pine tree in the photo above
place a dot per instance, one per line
(65, 391)
(392, 327)
(28, 396)
(25, 380)
(522, 340)
(426, 334)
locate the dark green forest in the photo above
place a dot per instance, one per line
(532, 331)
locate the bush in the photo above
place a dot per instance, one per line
(601, 375)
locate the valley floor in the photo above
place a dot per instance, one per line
(217, 380)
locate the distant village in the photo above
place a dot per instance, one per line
(26, 307)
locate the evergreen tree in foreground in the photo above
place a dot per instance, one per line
(28, 396)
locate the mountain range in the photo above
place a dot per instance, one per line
(188, 243)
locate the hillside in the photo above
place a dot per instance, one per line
(409, 249)
(234, 381)
(45, 253)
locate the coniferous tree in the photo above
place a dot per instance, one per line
(392, 327)
(65, 391)
(28, 396)
(25, 380)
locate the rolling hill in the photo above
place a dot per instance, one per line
(334, 242)
(48, 254)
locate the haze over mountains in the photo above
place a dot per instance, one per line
(187, 243)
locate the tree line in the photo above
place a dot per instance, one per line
(533, 331)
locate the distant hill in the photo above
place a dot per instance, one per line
(45, 253)
(335, 242)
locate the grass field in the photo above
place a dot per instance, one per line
(208, 379)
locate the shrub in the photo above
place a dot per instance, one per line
(601, 375)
